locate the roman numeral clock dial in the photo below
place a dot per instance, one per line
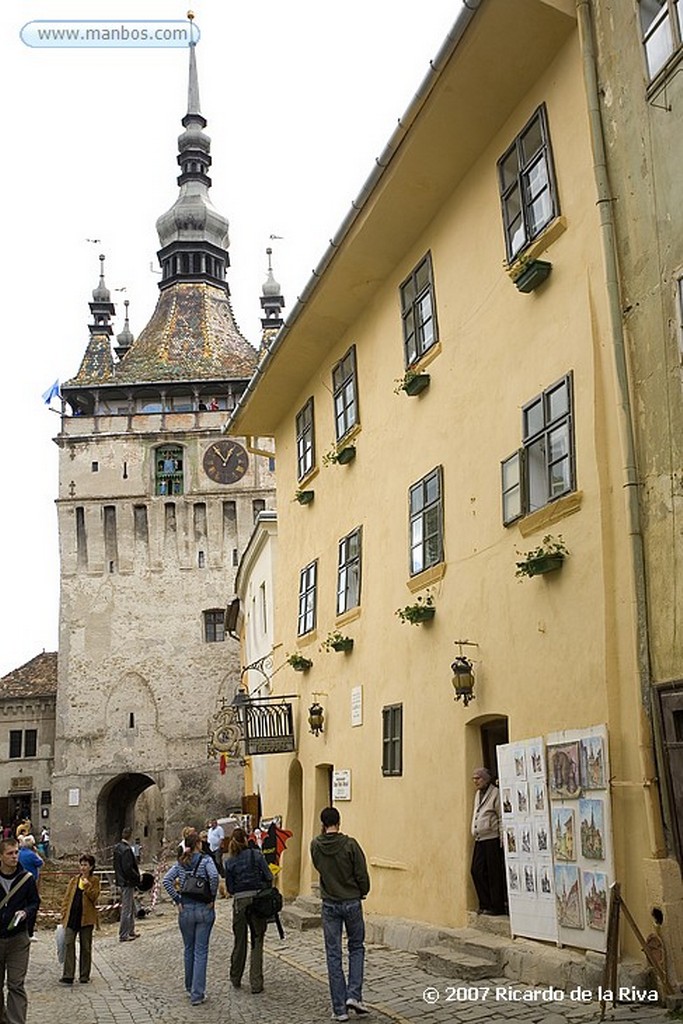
(225, 461)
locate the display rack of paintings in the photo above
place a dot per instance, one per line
(582, 847)
(527, 839)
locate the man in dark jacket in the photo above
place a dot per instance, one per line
(17, 921)
(127, 878)
(344, 882)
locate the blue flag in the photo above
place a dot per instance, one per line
(52, 392)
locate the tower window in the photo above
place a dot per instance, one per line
(214, 625)
(168, 461)
(131, 720)
(95, 467)
(258, 505)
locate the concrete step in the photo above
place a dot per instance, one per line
(298, 918)
(458, 966)
(491, 925)
(473, 942)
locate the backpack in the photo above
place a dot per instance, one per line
(267, 903)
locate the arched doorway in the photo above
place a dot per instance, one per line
(294, 822)
(116, 810)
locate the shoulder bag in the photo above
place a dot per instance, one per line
(197, 887)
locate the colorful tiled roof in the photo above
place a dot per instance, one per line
(97, 365)
(191, 336)
(37, 678)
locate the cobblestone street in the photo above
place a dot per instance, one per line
(142, 983)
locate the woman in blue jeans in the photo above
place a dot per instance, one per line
(196, 917)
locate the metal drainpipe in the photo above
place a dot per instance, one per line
(625, 427)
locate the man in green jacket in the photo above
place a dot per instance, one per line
(344, 882)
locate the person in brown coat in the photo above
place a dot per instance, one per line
(80, 917)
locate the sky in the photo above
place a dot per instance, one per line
(300, 98)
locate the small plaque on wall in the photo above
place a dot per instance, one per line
(341, 784)
(357, 705)
(74, 797)
(21, 783)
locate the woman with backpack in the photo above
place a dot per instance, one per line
(192, 883)
(246, 873)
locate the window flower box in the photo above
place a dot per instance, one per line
(549, 556)
(304, 497)
(412, 383)
(341, 456)
(337, 642)
(298, 662)
(531, 274)
(422, 611)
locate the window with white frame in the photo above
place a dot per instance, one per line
(661, 23)
(392, 740)
(308, 598)
(345, 392)
(418, 311)
(543, 469)
(426, 522)
(526, 179)
(349, 571)
(305, 440)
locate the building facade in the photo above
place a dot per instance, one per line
(27, 738)
(474, 266)
(155, 507)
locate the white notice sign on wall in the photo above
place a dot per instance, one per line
(341, 784)
(357, 705)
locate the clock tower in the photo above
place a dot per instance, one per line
(155, 508)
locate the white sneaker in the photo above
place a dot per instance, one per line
(357, 1006)
(340, 1016)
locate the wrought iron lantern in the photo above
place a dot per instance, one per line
(463, 679)
(315, 718)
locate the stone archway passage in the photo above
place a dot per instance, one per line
(116, 807)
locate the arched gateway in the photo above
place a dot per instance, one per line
(116, 808)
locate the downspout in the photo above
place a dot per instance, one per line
(625, 427)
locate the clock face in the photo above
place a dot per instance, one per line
(225, 461)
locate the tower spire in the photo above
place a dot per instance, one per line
(272, 302)
(194, 237)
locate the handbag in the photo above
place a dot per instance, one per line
(60, 939)
(267, 903)
(197, 887)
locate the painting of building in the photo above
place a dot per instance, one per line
(564, 832)
(592, 825)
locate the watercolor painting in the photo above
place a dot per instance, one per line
(538, 798)
(564, 778)
(542, 843)
(535, 756)
(530, 879)
(592, 757)
(522, 798)
(519, 759)
(511, 842)
(568, 896)
(525, 839)
(507, 800)
(513, 878)
(595, 899)
(592, 828)
(564, 834)
(545, 880)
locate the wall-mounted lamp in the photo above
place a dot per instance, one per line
(315, 718)
(463, 675)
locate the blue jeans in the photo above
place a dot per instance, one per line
(196, 921)
(348, 913)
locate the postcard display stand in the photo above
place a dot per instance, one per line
(527, 841)
(557, 836)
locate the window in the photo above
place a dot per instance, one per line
(258, 505)
(23, 743)
(418, 312)
(426, 522)
(168, 462)
(308, 587)
(305, 440)
(543, 468)
(348, 575)
(527, 187)
(392, 740)
(661, 22)
(345, 390)
(214, 625)
(46, 796)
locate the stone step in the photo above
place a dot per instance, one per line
(311, 904)
(298, 918)
(450, 963)
(477, 943)
(492, 925)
